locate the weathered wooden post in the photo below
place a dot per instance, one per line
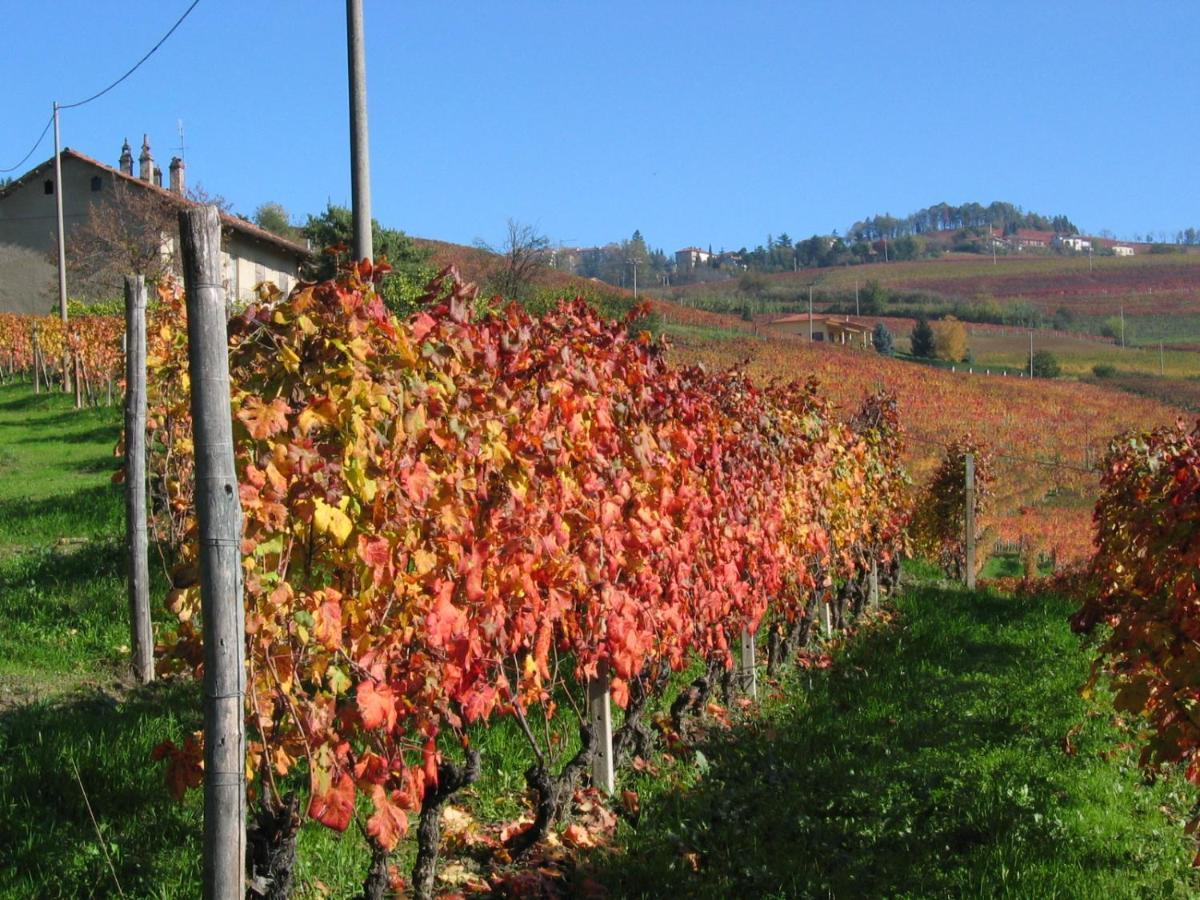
(746, 671)
(826, 615)
(600, 723)
(873, 584)
(970, 517)
(219, 515)
(137, 543)
(37, 375)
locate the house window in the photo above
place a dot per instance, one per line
(96, 183)
(47, 186)
(818, 336)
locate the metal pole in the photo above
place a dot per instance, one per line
(970, 560)
(58, 202)
(360, 162)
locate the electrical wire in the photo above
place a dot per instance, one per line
(32, 149)
(136, 65)
(101, 93)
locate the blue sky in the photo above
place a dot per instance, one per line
(697, 123)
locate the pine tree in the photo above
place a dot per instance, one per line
(922, 338)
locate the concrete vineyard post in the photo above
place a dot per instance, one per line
(137, 542)
(600, 723)
(747, 675)
(219, 516)
(873, 583)
(970, 522)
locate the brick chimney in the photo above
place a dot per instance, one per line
(157, 177)
(146, 162)
(126, 158)
(177, 184)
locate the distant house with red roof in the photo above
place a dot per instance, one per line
(28, 224)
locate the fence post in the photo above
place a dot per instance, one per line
(600, 723)
(37, 375)
(873, 582)
(746, 671)
(219, 515)
(970, 517)
(137, 543)
(826, 616)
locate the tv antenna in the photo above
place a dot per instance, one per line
(182, 145)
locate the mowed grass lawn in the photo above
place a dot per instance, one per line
(945, 753)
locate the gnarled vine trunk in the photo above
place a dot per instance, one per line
(271, 848)
(553, 793)
(451, 779)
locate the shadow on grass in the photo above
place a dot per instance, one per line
(925, 763)
(50, 845)
(93, 512)
(100, 434)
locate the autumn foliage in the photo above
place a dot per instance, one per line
(1146, 592)
(468, 514)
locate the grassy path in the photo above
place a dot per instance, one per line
(61, 535)
(933, 760)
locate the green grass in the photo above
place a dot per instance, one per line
(928, 762)
(62, 595)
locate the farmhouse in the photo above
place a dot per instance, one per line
(1071, 242)
(28, 220)
(825, 329)
(690, 257)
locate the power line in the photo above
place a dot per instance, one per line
(136, 65)
(32, 149)
(101, 93)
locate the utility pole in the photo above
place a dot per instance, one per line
(1161, 370)
(1030, 352)
(1122, 326)
(810, 319)
(360, 162)
(58, 203)
(633, 262)
(856, 312)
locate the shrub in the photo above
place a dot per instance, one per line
(1045, 365)
(950, 339)
(1104, 370)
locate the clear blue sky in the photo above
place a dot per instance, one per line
(697, 123)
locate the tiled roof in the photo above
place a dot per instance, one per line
(237, 224)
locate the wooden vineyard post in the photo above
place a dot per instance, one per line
(37, 375)
(219, 516)
(873, 584)
(970, 517)
(826, 616)
(746, 672)
(600, 723)
(137, 543)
